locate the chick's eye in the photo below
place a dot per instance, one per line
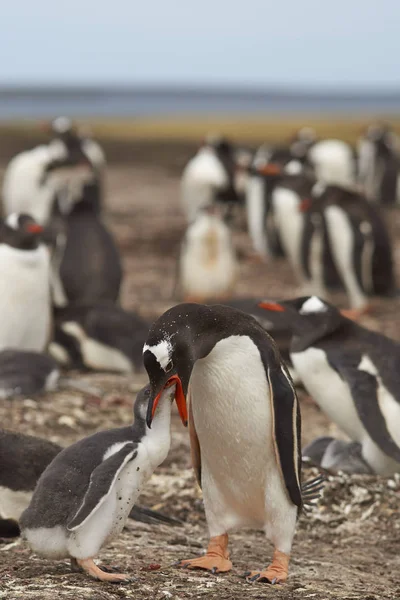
(169, 366)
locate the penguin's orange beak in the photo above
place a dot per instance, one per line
(272, 306)
(179, 398)
(34, 228)
(270, 169)
(305, 205)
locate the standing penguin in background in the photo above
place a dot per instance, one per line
(244, 424)
(85, 495)
(209, 177)
(86, 263)
(208, 264)
(352, 373)
(24, 285)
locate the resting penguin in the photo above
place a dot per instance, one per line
(244, 424)
(352, 373)
(336, 455)
(26, 373)
(86, 263)
(102, 337)
(24, 285)
(208, 264)
(85, 495)
(23, 458)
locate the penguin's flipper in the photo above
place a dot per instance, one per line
(287, 430)
(194, 446)
(9, 528)
(101, 483)
(364, 390)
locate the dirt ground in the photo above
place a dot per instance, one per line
(348, 548)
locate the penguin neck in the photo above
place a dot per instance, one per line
(158, 439)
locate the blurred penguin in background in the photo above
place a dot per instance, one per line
(24, 285)
(208, 264)
(46, 179)
(210, 178)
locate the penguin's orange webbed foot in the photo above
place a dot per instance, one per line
(356, 313)
(102, 573)
(216, 560)
(277, 572)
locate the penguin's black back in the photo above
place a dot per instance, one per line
(91, 269)
(23, 458)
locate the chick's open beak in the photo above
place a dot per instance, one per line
(179, 398)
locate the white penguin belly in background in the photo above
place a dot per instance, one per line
(231, 435)
(208, 264)
(24, 298)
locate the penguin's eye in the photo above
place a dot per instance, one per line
(169, 366)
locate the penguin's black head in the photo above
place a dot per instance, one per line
(309, 317)
(168, 355)
(20, 231)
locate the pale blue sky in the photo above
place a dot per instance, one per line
(255, 42)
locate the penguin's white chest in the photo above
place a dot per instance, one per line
(329, 391)
(24, 298)
(232, 412)
(289, 221)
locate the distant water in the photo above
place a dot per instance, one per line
(32, 103)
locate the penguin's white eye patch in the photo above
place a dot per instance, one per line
(313, 305)
(162, 353)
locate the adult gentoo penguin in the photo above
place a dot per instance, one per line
(352, 373)
(208, 264)
(85, 495)
(25, 285)
(244, 424)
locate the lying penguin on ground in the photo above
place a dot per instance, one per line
(352, 373)
(23, 458)
(244, 424)
(336, 455)
(26, 373)
(102, 337)
(208, 264)
(83, 498)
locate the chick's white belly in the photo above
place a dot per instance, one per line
(232, 416)
(109, 519)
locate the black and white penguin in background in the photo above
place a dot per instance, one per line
(25, 304)
(352, 373)
(209, 177)
(85, 495)
(86, 265)
(102, 337)
(345, 241)
(379, 164)
(35, 178)
(208, 265)
(333, 161)
(26, 373)
(244, 425)
(23, 458)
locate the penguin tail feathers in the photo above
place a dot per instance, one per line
(311, 492)
(9, 528)
(152, 517)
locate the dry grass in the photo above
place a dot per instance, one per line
(241, 128)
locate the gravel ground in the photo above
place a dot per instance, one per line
(349, 548)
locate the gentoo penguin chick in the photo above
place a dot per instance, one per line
(23, 458)
(24, 285)
(352, 373)
(336, 455)
(26, 373)
(86, 262)
(102, 337)
(208, 265)
(85, 495)
(244, 424)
